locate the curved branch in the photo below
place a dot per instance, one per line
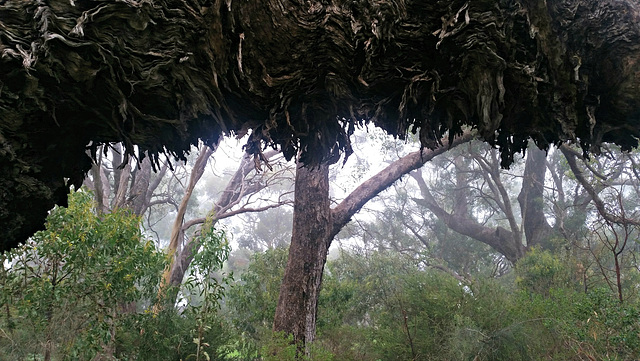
(499, 238)
(343, 212)
(593, 193)
(504, 201)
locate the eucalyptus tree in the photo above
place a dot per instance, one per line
(67, 286)
(462, 213)
(300, 76)
(315, 224)
(247, 191)
(173, 195)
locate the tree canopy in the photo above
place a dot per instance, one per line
(299, 76)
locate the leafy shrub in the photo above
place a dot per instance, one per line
(68, 284)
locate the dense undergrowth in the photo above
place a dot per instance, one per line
(84, 289)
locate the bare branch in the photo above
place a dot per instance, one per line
(593, 193)
(343, 212)
(228, 214)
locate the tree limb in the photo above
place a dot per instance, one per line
(593, 193)
(499, 238)
(343, 212)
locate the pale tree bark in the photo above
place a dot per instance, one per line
(229, 195)
(117, 165)
(176, 231)
(570, 204)
(460, 201)
(133, 186)
(240, 187)
(314, 227)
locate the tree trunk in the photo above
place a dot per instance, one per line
(140, 187)
(177, 233)
(99, 181)
(314, 227)
(121, 186)
(298, 301)
(536, 228)
(237, 188)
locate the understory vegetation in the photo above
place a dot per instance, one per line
(85, 289)
(457, 260)
(369, 215)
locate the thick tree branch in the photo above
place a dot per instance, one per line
(196, 173)
(343, 212)
(176, 231)
(499, 238)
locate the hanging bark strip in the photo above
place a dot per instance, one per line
(300, 75)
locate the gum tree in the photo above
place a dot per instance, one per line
(300, 76)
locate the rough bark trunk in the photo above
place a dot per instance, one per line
(298, 300)
(314, 227)
(140, 188)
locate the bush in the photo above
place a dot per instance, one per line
(68, 284)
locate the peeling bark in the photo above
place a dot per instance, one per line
(300, 76)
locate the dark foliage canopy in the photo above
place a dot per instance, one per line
(300, 75)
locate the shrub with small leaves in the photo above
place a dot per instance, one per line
(69, 283)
